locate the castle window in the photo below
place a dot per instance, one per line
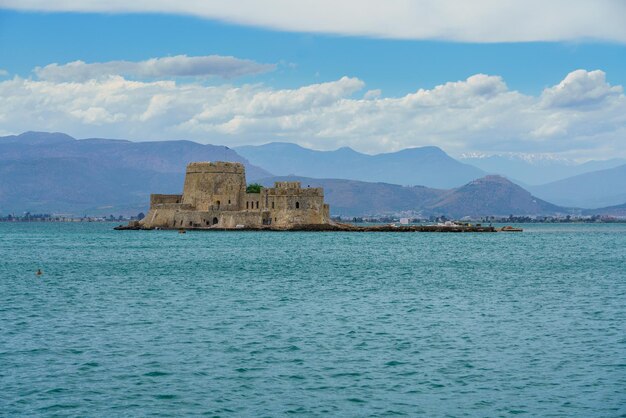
(272, 205)
(214, 221)
(297, 205)
(247, 205)
(257, 204)
(229, 202)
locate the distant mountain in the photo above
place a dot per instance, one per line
(37, 138)
(54, 172)
(618, 211)
(356, 198)
(491, 195)
(79, 186)
(590, 190)
(536, 170)
(426, 166)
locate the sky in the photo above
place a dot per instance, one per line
(470, 77)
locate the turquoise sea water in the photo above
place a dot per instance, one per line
(135, 323)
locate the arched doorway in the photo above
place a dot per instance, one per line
(214, 221)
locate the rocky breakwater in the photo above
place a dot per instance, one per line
(333, 227)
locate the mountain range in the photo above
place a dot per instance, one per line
(490, 195)
(616, 211)
(533, 170)
(53, 172)
(590, 190)
(564, 182)
(426, 166)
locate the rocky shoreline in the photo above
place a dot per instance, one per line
(335, 227)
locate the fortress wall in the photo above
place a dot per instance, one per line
(196, 219)
(214, 196)
(211, 186)
(214, 218)
(293, 199)
(289, 218)
(173, 218)
(287, 184)
(175, 206)
(248, 219)
(160, 217)
(289, 205)
(312, 191)
(297, 210)
(253, 201)
(156, 199)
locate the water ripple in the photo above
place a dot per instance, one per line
(253, 324)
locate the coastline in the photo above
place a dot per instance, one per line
(337, 227)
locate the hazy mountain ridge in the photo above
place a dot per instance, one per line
(616, 211)
(600, 188)
(160, 156)
(76, 185)
(538, 169)
(432, 167)
(54, 172)
(425, 166)
(491, 195)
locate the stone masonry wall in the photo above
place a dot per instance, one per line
(214, 196)
(216, 185)
(157, 199)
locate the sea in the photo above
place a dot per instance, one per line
(267, 324)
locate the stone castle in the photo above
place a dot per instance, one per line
(214, 197)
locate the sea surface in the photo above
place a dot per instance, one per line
(155, 323)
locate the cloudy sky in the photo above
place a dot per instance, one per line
(487, 76)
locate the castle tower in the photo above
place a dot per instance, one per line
(214, 186)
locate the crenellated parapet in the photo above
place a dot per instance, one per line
(285, 188)
(287, 185)
(217, 167)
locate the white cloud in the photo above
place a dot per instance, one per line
(372, 94)
(3, 72)
(177, 66)
(581, 88)
(478, 114)
(458, 20)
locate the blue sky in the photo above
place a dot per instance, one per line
(396, 67)
(350, 80)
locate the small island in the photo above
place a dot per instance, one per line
(215, 197)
